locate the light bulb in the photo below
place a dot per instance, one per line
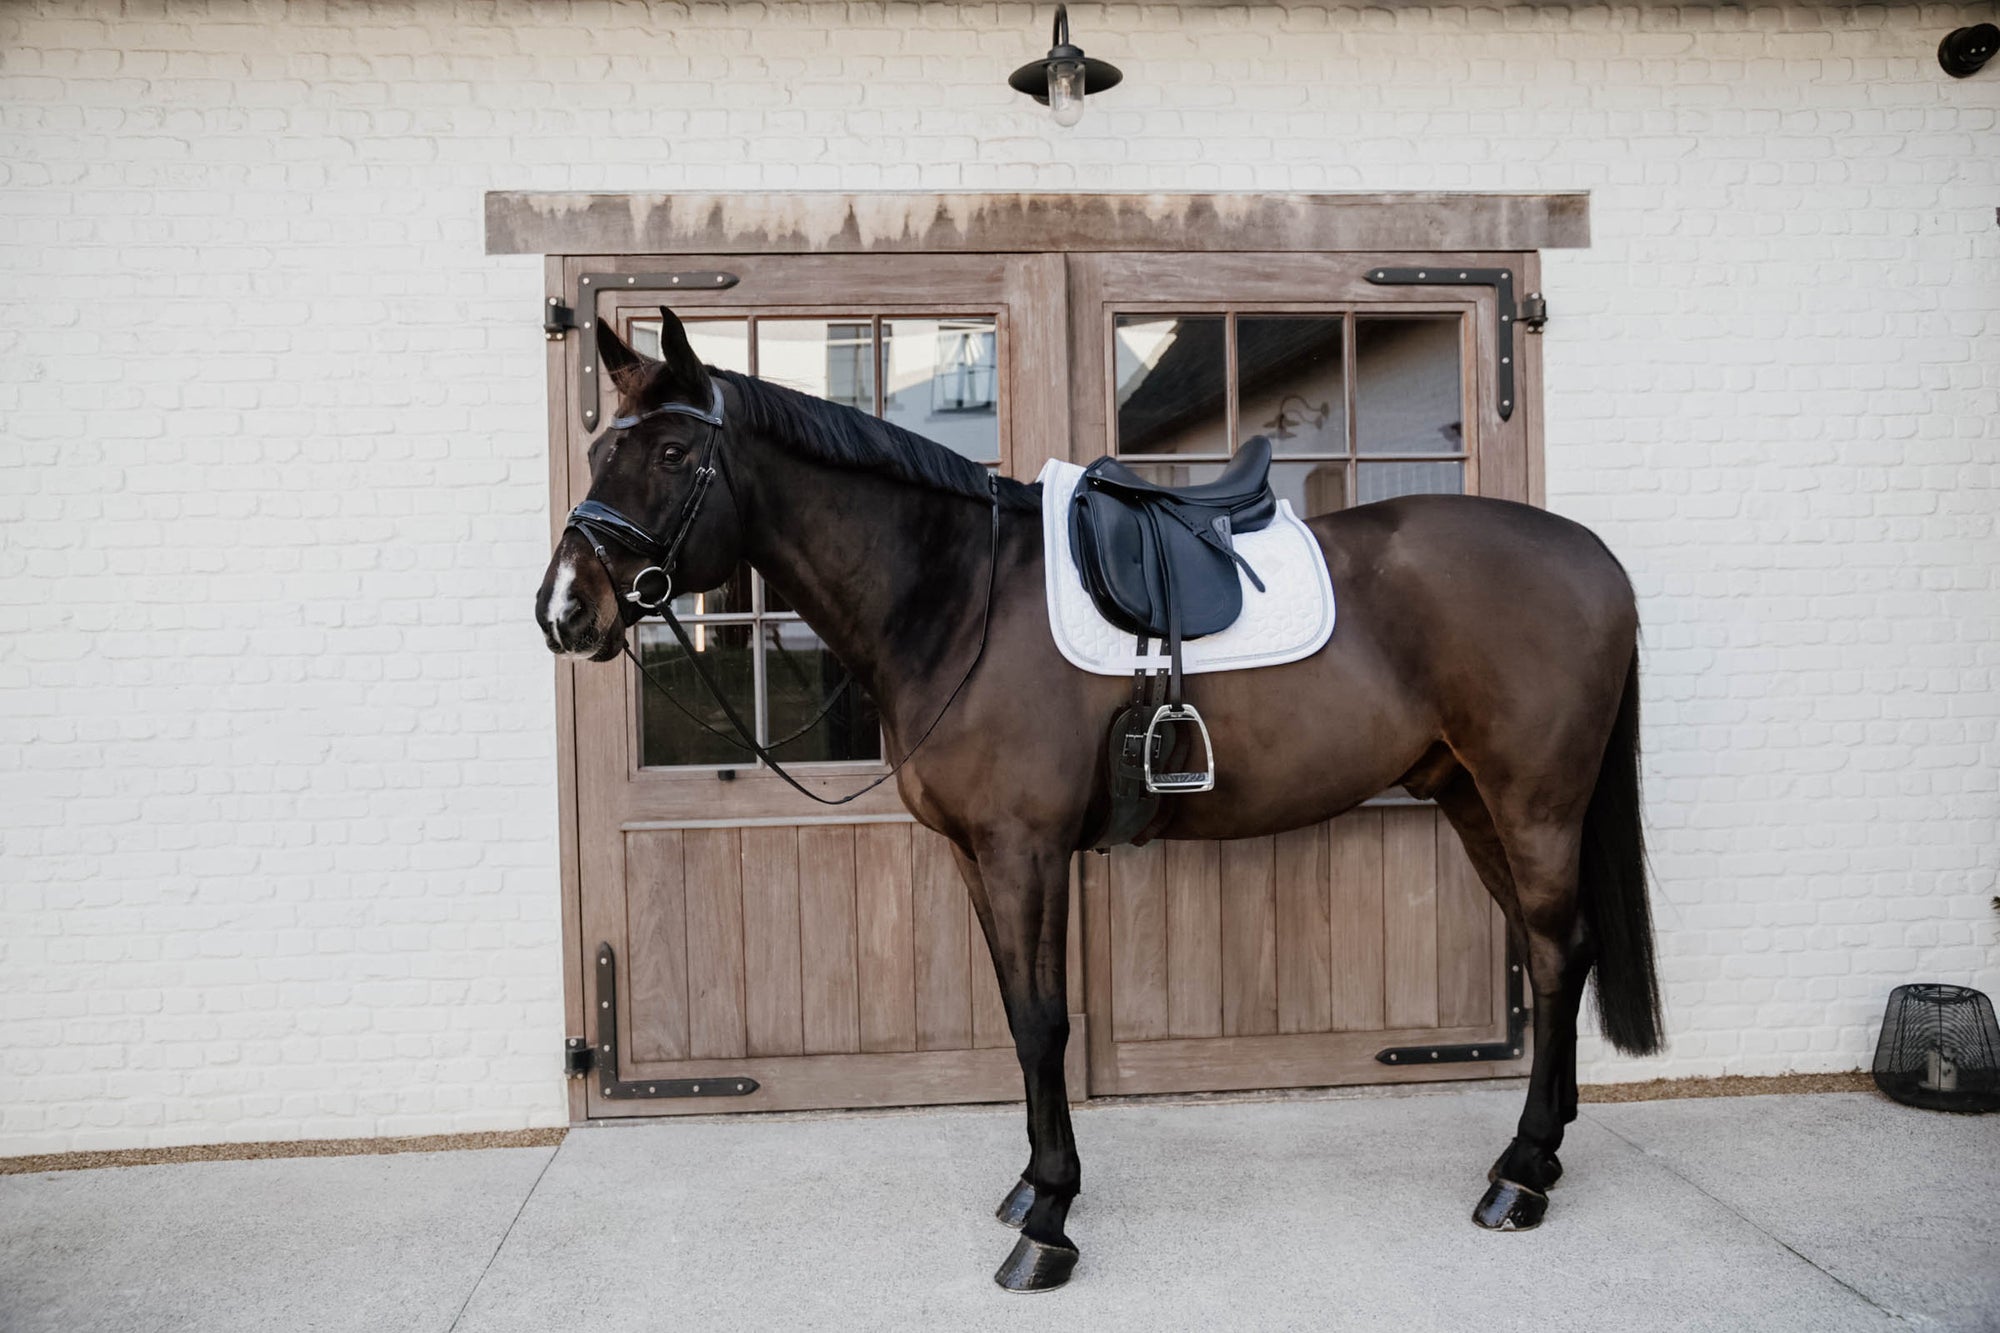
(1066, 92)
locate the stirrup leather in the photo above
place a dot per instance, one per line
(1195, 780)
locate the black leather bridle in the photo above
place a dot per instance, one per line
(653, 586)
(652, 591)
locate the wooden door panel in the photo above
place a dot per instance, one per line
(837, 964)
(831, 983)
(773, 995)
(1465, 917)
(884, 916)
(1304, 959)
(656, 946)
(1354, 911)
(1249, 938)
(942, 931)
(712, 861)
(1137, 906)
(1194, 935)
(1409, 919)
(1220, 954)
(1290, 959)
(832, 956)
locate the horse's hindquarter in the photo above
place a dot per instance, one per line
(1494, 628)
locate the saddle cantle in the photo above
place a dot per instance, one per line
(1161, 562)
(1146, 552)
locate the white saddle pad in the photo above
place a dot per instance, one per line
(1291, 619)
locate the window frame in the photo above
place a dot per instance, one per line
(1351, 312)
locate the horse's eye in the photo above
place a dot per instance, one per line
(673, 455)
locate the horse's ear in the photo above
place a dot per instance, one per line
(617, 360)
(684, 366)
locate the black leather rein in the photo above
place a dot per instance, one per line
(653, 591)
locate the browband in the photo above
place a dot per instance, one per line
(713, 416)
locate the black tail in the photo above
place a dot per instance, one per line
(1613, 888)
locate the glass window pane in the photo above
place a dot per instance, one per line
(941, 379)
(1170, 375)
(1289, 383)
(732, 598)
(799, 676)
(1313, 488)
(722, 343)
(831, 359)
(1381, 481)
(666, 735)
(1178, 474)
(1407, 398)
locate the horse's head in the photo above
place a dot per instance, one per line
(650, 515)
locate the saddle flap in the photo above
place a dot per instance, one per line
(1131, 558)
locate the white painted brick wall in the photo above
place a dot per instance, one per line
(276, 749)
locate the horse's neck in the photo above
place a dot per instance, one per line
(890, 574)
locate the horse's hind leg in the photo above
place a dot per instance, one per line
(1531, 869)
(1021, 895)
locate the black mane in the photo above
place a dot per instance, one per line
(846, 437)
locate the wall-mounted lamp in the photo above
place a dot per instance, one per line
(1065, 76)
(1965, 52)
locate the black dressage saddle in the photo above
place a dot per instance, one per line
(1155, 556)
(1161, 563)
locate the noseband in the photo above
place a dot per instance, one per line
(653, 586)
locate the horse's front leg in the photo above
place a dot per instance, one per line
(1020, 890)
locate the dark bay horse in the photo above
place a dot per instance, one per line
(1485, 657)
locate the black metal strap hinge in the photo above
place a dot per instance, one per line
(587, 288)
(1472, 1052)
(1533, 313)
(557, 319)
(600, 1063)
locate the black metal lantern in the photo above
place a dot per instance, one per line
(1065, 76)
(1939, 1049)
(1964, 53)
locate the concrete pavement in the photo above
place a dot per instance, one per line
(1828, 1212)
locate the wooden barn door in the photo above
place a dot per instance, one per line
(1297, 960)
(731, 932)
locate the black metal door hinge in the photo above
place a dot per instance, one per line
(1509, 1048)
(557, 319)
(600, 1063)
(587, 288)
(1534, 313)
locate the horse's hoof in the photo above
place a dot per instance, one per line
(1034, 1266)
(1013, 1209)
(1510, 1207)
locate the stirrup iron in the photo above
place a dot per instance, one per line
(1171, 784)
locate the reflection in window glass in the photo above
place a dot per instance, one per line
(1177, 474)
(1383, 481)
(1407, 398)
(1312, 488)
(1171, 390)
(941, 380)
(799, 676)
(667, 735)
(830, 359)
(1289, 383)
(722, 343)
(732, 598)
